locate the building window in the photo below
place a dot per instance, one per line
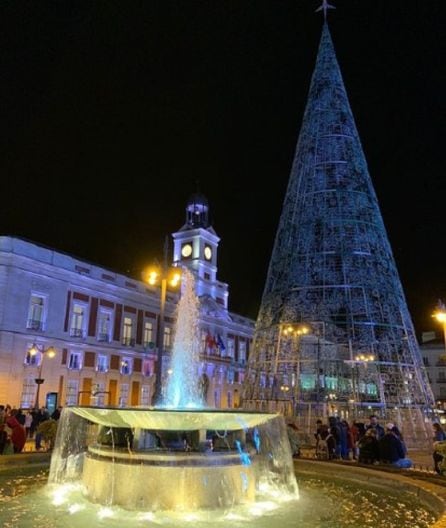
(28, 393)
(98, 396)
(36, 313)
(425, 361)
(242, 352)
(104, 326)
(75, 361)
(72, 392)
(126, 366)
(147, 367)
(217, 399)
(32, 360)
(167, 337)
(145, 395)
(102, 363)
(127, 332)
(230, 348)
(124, 395)
(78, 320)
(148, 333)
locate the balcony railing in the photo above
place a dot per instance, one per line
(34, 324)
(128, 341)
(104, 338)
(77, 332)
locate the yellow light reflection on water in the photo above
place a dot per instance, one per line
(103, 513)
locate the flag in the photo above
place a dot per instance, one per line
(220, 343)
(210, 341)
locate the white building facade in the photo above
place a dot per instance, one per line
(102, 325)
(434, 358)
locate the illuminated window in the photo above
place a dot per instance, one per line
(36, 312)
(75, 361)
(126, 366)
(124, 395)
(167, 336)
(33, 360)
(104, 326)
(127, 332)
(99, 394)
(78, 320)
(230, 348)
(217, 399)
(148, 333)
(145, 395)
(72, 392)
(102, 363)
(28, 393)
(242, 352)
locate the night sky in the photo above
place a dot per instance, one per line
(111, 111)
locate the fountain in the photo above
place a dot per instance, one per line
(178, 456)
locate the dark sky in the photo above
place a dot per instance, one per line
(112, 110)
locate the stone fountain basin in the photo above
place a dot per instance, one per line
(430, 493)
(155, 481)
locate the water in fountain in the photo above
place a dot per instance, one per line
(182, 389)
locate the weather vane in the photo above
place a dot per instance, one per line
(325, 6)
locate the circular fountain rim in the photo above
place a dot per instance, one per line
(175, 419)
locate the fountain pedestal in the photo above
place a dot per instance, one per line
(167, 481)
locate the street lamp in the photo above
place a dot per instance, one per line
(33, 351)
(163, 276)
(288, 332)
(440, 316)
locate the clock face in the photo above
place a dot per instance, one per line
(207, 252)
(186, 250)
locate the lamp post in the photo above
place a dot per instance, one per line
(440, 316)
(33, 351)
(163, 276)
(360, 359)
(288, 331)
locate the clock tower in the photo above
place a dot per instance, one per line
(195, 247)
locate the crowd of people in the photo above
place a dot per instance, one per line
(368, 443)
(19, 425)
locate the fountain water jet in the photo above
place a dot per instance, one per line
(173, 457)
(182, 387)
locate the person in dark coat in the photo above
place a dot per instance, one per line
(368, 448)
(391, 449)
(374, 424)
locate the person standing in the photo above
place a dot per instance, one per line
(28, 423)
(374, 424)
(439, 436)
(18, 435)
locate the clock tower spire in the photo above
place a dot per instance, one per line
(195, 247)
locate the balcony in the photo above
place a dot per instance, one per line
(34, 324)
(77, 332)
(128, 341)
(104, 338)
